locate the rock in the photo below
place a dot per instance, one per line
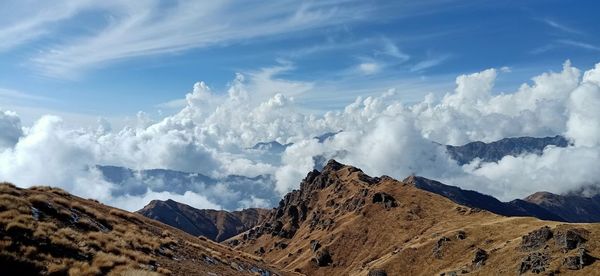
(314, 245)
(571, 239)
(578, 261)
(387, 200)
(535, 262)
(322, 258)
(439, 246)
(536, 239)
(377, 272)
(281, 245)
(480, 257)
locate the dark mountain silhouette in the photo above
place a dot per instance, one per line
(494, 151)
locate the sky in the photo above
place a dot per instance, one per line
(84, 60)
(191, 86)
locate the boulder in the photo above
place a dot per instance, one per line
(480, 257)
(439, 246)
(579, 260)
(535, 262)
(377, 272)
(385, 199)
(314, 245)
(571, 239)
(322, 258)
(536, 239)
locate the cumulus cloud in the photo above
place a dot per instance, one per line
(213, 132)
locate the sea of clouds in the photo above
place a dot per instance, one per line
(212, 135)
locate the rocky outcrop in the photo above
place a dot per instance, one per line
(322, 257)
(536, 262)
(293, 210)
(579, 260)
(536, 239)
(480, 257)
(384, 199)
(377, 272)
(571, 238)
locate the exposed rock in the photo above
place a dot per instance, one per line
(571, 239)
(536, 239)
(387, 200)
(535, 262)
(480, 257)
(377, 272)
(439, 246)
(314, 245)
(579, 260)
(322, 258)
(281, 245)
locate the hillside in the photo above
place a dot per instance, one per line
(217, 225)
(344, 222)
(46, 231)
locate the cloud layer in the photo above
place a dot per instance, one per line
(213, 132)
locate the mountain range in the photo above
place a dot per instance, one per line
(340, 221)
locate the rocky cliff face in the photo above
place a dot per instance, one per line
(213, 224)
(342, 221)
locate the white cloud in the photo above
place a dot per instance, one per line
(429, 63)
(369, 68)
(381, 135)
(144, 28)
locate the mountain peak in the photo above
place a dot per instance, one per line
(333, 165)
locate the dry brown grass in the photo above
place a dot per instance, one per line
(43, 230)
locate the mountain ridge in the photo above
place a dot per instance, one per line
(217, 225)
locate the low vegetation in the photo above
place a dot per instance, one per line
(47, 231)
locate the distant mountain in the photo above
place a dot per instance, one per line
(573, 208)
(276, 147)
(137, 182)
(494, 151)
(478, 200)
(326, 136)
(272, 147)
(213, 224)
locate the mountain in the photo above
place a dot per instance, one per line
(495, 151)
(137, 182)
(573, 208)
(46, 231)
(475, 199)
(344, 222)
(272, 147)
(213, 224)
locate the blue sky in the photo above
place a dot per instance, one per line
(83, 60)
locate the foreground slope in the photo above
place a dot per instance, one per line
(217, 225)
(344, 222)
(46, 231)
